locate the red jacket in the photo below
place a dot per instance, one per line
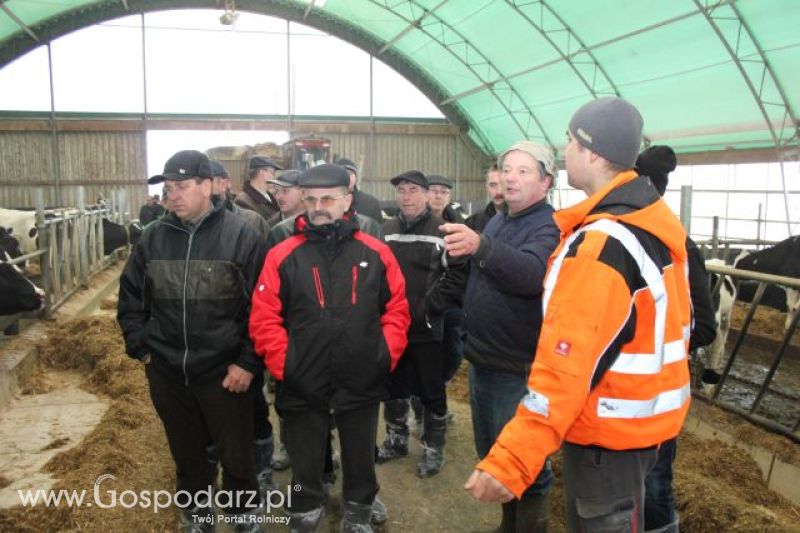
(330, 316)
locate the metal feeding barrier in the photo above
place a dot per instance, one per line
(70, 248)
(750, 412)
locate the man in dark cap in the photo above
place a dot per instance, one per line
(363, 203)
(610, 381)
(432, 286)
(222, 189)
(184, 302)
(330, 318)
(288, 194)
(254, 195)
(660, 514)
(439, 190)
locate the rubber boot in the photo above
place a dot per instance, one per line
(433, 445)
(198, 519)
(379, 512)
(280, 459)
(532, 513)
(416, 420)
(306, 522)
(356, 517)
(262, 453)
(395, 445)
(508, 524)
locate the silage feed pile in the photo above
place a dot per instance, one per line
(128, 444)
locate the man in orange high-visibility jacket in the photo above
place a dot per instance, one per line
(610, 379)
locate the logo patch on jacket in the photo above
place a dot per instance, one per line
(563, 347)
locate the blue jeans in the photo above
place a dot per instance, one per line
(659, 498)
(494, 397)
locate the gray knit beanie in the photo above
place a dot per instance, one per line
(609, 127)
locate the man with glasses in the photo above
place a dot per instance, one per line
(289, 196)
(330, 318)
(439, 190)
(431, 287)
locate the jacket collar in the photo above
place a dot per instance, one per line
(336, 231)
(258, 196)
(218, 206)
(407, 225)
(630, 199)
(530, 209)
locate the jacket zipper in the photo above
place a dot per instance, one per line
(185, 283)
(354, 294)
(318, 285)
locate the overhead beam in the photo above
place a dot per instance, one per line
(18, 21)
(414, 24)
(308, 9)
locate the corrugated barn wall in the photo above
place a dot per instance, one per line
(101, 162)
(105, 155)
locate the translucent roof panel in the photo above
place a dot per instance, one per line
(707, 75)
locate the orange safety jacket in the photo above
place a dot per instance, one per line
(610, 367)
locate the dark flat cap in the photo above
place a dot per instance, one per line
(412, 176)
(217, 170)
(262, 162)
(436, 179)
(347, 165)
(289, 178)
(324, 176)
(184, 165)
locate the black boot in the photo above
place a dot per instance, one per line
(532, 513)
(433, 444)
(416, 421)
(395, 445)
(262, 454)
(356, 518)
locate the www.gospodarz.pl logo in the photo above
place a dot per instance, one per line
(156, 499)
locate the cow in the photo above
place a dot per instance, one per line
(723, 308)
(783, 259)
(19, 293)
(21, 225)
(9, 243)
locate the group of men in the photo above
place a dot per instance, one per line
(576, 325)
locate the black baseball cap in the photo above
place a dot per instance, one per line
(412, 176)
(184, 165)
(262, 162)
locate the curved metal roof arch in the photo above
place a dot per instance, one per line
(708, 75)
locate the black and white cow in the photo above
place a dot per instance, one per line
(723, 308)
(19, 293)
(783, 259)
(21, 226)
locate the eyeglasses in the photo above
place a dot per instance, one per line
(326, 201)
(439, 192)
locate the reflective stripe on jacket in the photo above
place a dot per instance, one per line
(610, 367)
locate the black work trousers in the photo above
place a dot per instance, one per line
(195, 416)
(419, 372)
(307, 439)
(261, 424)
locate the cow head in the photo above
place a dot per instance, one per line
(783, 259)
(19, 293)
(8, 243)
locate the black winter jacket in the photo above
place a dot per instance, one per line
(330, 317)
(704, 329)
(367, 205)
(503, 303)
(184, 295)
(479, 219)
(434, 280)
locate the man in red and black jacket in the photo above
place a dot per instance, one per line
(330, 318)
